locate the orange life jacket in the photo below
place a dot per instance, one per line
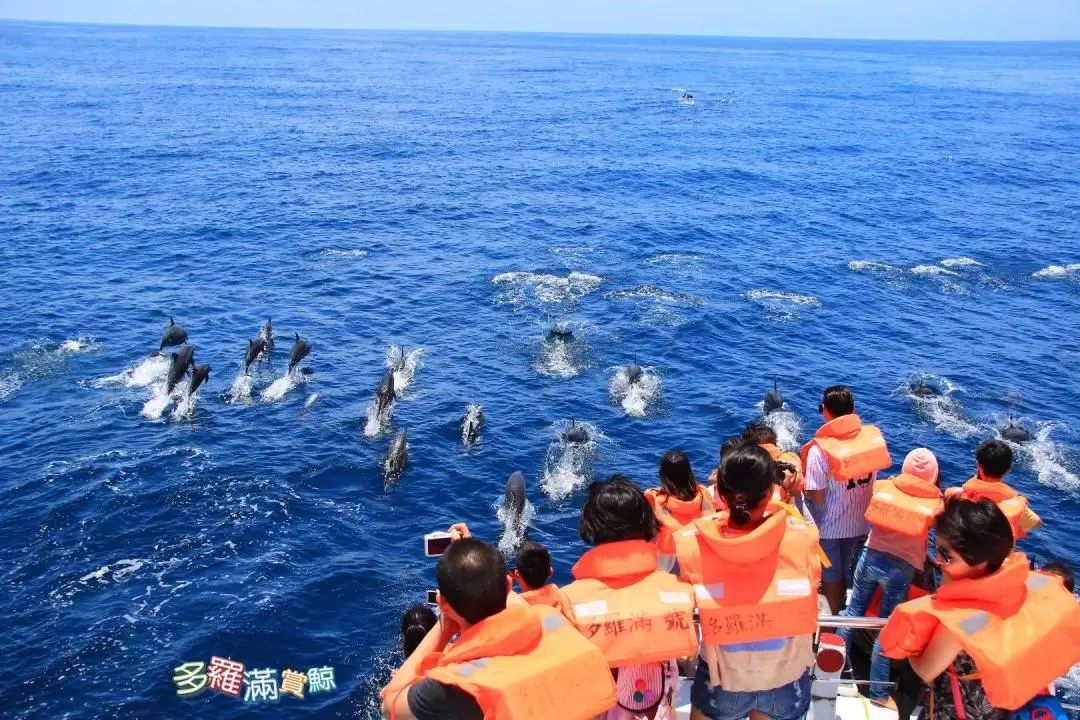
(761, 585)
(854, 450)
(547, 595)
(526, 664)
(1011, 503)
(786, 493)
(674, 514)
(635, 613)
(905, 504)
(1021, 628)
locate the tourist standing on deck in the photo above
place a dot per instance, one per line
(996, 634)
(840, 464)
(901, 514)
(755, 571)
(678, 501)
(510, 661)
(993, 460)
(642, 618)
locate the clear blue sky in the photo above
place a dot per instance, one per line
(918, 19)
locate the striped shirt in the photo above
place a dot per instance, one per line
(843, 514)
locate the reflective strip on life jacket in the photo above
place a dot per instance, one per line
(563, 675)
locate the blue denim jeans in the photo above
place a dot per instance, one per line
(788, 702)
(893, 575)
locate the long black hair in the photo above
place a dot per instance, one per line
(676, 475)
(746, 478)
(616, 510)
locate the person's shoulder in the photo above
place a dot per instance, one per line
(432, 700)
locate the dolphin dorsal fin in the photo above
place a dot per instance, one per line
(297, 337)
(775, 382)
(171, 321)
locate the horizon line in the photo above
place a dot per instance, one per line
(290, 28)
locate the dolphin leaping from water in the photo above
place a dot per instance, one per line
(773, 400)
(299, 351)
(198, 376)
(1015, 432)
(174, 335)
(178, 367)
(255, 348)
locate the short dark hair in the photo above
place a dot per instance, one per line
(838, 400)
(616, 510)
(729, 445)
(994, 457)
(676, 475)
(472, 579)
(745, 480)
(533, 564)
(1062, 570)
(977, 530)
(415, 624)
(759, 433)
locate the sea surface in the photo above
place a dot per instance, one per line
(871, 213)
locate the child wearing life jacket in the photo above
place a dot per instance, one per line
(678, 501)
(532, 573)
(901, 513)
(641, 617)
(755, 571)
(993, 460)
(727, 446)
(996, 634)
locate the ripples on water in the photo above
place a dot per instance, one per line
(389, 189)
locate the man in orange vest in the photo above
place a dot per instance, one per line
(510, 660)
(840, 465)
(993, 460)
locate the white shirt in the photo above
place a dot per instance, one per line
(843, 514)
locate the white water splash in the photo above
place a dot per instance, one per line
(568, 466)
(1047, 458)
(240, 391)
(281, 387)
(404, 364)
(932, 270)
(147, 371)
(10, 383)
(185, 406)
(788, 428)
(311, 400)
(353, 254)
(674, 259)
(560, 359)
(961, 262)
(943, 409)
(943, 276)
(873, 267)
(514, 530)
(656, 294)
(159, 402)
(376, 423)
(78, 345)
(1051, 272)
(635, 397)
(548, 289)
(782, 306)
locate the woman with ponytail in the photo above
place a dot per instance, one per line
(755, 570)
(415, 624)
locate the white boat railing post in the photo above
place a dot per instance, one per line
(829, 664)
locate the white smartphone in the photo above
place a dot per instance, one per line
(435, 543)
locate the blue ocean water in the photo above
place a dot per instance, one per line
(861, 212)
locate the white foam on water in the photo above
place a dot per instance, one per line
(961, 262)
(557, 359)
(943, 410)
(311, 400)
(1056, 271)
(1048, 459)
(474, 414)
(675, 259)
(404, 371)
(77, 345)
(656, 294)
(376, 423)
(568, 466)
(240, 391)
(159, 402)
(348, 254)
(185, 406)
(571, 250)
(146, 371)
(281, 387)
(872, 266)
(548, 289)
(513, 529)
(788, 428)
(10, 383)
(782, 306)
(635, 397)
(932, 270)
